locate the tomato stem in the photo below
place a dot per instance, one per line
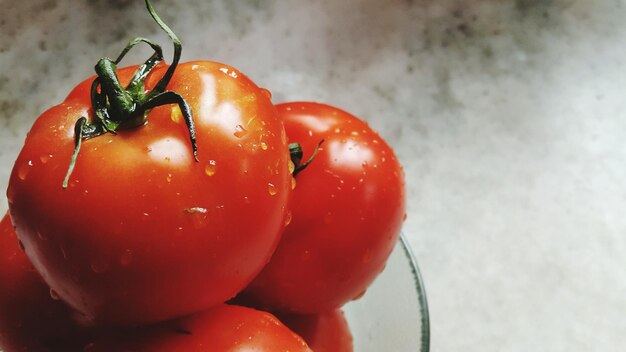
(116, 107)
(295, 151)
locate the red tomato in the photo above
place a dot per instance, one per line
(323, 332)
(220, 329)
(30, 320)
(346, 213)
(143, 233)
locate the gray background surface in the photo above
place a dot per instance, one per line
(509, 117)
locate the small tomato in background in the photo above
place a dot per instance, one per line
(30, 319)
(220, 329)
(345, 213)
(323, 332)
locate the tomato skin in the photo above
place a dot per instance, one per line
(347, 210)
(143, 233)
(30, 320)
(220, 329)
(323, 332)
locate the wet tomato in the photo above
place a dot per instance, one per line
(220, 329)
(30, 319)
(346, 212)
(143, 232)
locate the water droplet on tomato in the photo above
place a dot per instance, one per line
(364, 164)
(126, 258)
(175, 114)
(288, 218)
(24, 170)
(168, 178)
(211, 168)
(354, 133)
(63, 253)
(240, 131)
(337, 130)
(293, 183)
(54, 295)
(99, 265)
(267, 93)
(45, 158)
(359, 295)
(271, 189)
(263, 145)
(291, 166)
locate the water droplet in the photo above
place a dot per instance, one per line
(272, 189)
(126, 258)
(337, 130)
(293, 183)
(24, 170)
(267, 93)
(310, 133)
(364, 164)
(288, 218)
(246, 200)
(168, 178)
(63, 252)
(175, 114)
(196, 210)
(263, 145)
(354, 133)
(359, 295)
(240, 131)
(99, 265)
(292, 167)
(211, 168)
(54, 295)
(375, 141)
(45, 158)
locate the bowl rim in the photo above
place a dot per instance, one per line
(421, 294)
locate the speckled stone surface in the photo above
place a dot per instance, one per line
(509, 116)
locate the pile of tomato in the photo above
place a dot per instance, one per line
(196, 227)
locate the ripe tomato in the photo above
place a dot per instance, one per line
(323, 332)
(143, 233)
(30, 320)
(220, 329)
(347, 210)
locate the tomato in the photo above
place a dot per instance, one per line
(220, 329)
(30, 320)
(144, 233)
(346, 213)
(323, 332)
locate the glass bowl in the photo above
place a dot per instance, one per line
(393, 314)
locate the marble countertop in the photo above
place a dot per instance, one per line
(509, 117)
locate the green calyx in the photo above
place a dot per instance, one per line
(296, 154)
(116, 107)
